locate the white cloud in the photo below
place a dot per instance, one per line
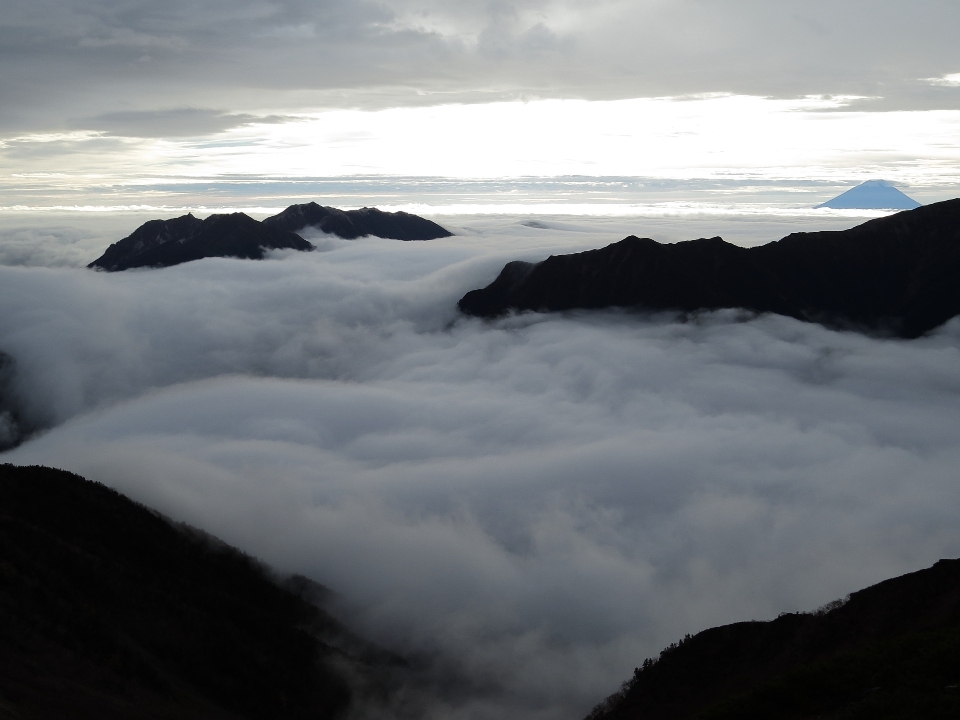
(713, 136)
(951, 80)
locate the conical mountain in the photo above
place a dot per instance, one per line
(872, 195)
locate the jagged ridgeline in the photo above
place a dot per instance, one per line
(889, 651)
(109, 611)
(350, 224)
(898, 275)
(162, 243)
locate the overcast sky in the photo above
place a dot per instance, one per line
(112, 73)
(100, 63)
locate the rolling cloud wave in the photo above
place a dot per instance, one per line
(536, 504)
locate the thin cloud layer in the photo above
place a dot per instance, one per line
(178, 122)
(537, 504)
(724, 139)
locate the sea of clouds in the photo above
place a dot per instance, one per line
(534, 504)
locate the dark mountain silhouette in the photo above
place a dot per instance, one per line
(110, 611)
(890, 651)
(872, 195)
(162, 243)
(11, 425)
(350, 224)
(895, 275)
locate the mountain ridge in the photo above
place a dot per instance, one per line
(891, 650)
(351, 224)
(897, 275)
(110, 611)
(164, 243)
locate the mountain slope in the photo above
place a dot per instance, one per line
(107, 611)
(12, 430)
(162, 243)
(897, 275)
(891, 651)
(350, 224)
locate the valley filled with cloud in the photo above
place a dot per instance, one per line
(528, 506)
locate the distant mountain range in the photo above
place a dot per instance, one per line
(162, 243)
(872, 195)
(890, 651)
(896, 275)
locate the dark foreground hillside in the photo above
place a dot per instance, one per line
(108, 611)
(12, 427)
(891, 651)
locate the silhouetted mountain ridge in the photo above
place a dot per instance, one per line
(350, 224)
(889, 651)
(162, 243)
(898, 275)
(11, 425)
(109, 611)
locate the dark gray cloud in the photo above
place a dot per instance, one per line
(64, 61)
(177, 122)
(540, 502)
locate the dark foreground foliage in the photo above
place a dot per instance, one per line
(107, 610)
(891, 651)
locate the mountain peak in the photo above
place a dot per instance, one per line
(162, 243)
(350, 224)
(872, 195)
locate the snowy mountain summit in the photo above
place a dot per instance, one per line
(872, 195)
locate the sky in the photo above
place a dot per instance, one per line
(104, 99)
(535, 504)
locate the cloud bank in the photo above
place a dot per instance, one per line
(538, 503)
